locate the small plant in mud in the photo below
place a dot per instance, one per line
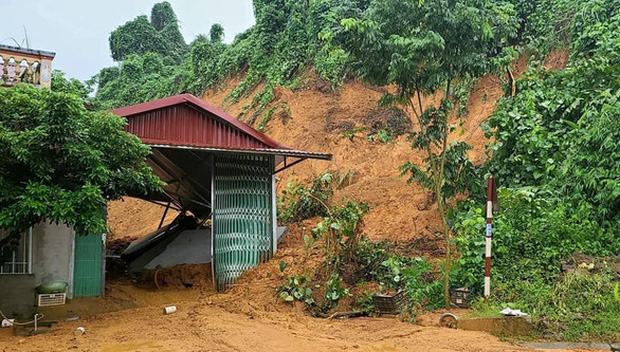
(365, 303)
(381, 136)
(297, 289)
(334, 292)
(350, 134)
(341, 232)
(299, 202)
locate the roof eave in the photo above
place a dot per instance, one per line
(257, 151)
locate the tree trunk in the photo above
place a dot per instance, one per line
(448, 259)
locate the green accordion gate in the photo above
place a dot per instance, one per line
(242, 215)
(88, 265)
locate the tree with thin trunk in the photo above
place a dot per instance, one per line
(426, 47)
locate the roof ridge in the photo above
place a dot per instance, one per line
(136, 109)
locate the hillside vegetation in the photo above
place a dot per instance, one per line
(491, 99)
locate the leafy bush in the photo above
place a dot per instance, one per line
(298, 202)
(334, 292)
(341, 232)
(422, 288)
(297, 289)
(534, 232)
(394, 272)
(575, 307)
(382, 136)
(365, 303)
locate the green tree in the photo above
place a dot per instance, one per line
(61, 163)
(216, 33)
(140, 36)
(72, 86)
(426, 47)
(136, 37)
(162, 15)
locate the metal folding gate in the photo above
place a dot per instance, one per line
(88, 266)
(242, 215)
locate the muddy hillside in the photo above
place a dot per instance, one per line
(316, 117)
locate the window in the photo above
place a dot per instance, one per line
(16, 254)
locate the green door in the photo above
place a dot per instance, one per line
(87, 269)
(242, 215)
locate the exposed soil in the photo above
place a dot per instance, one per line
(316, 118)
(399, 211)
(250, 317)
(133, 218)
(210, 324)
(206, 321)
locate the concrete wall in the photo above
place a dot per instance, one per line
(17, 295)
(188, 247)
(52, 260)
(53, 254)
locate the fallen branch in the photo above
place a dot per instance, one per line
(351, 314)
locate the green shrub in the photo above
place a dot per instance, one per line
(297, 289)
(533, 232)
(341, 232)
(576, 307)
(298, 202)
(382, 136)
(334, 292)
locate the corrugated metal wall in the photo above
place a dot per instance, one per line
(243, 215)
(174, 124)
(87, 272)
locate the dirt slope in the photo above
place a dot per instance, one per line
(316, 120)
(134, 218)
(399, 211)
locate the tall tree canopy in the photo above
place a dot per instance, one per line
(140, 36)
(216, 33)
(61, 162)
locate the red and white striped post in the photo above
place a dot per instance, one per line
(489, 236)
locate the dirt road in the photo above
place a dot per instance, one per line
(216, 326)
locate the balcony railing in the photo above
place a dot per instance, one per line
(13, 71)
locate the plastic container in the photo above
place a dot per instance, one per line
(52, 287)
(460, 297)
(170, 309)
(389, 304)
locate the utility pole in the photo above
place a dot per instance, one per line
(491, 198)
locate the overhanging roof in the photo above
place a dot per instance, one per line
(185, 133)
(149, 117)
(201, 105)
(258, 151)
(27, 51)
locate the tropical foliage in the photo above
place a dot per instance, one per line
(556, 154)
(424, 48)
(61, 162)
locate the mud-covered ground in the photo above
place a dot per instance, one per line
(213, 323)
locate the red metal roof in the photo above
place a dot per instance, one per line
(180, 120)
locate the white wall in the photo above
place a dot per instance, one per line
(53, 254)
